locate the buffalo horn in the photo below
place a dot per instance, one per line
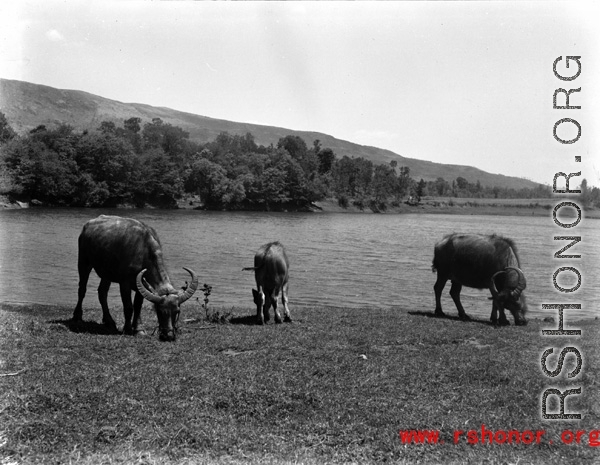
(155, 299)
(522, 283)
(191, 288)
(494, 289)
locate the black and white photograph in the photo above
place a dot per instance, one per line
(299, 232)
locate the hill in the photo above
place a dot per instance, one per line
(28, 105)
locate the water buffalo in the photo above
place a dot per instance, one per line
(271, 273)
(124, 250)
(481, 262)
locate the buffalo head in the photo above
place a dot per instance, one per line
(167, 305)
(507, 292)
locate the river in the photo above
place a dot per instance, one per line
(341, 260)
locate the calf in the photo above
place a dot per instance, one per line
(270, 268)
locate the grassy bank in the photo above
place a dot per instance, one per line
(464, 206)
(336, 386)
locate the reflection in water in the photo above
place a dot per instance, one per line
(342, 260)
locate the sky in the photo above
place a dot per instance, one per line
(468, 83)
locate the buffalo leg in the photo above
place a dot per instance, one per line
(494, 315)
(494, 318)
(438, 287)
(273, 300)
(259, 300)
(284, 299)
(267, 307)
(455, 294)
(127, 307)
(503, 320)
(84, 275)
(102, 297)
(138, 300)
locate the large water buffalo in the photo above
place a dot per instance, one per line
(271, 267)
(482, 262)
(124, 250)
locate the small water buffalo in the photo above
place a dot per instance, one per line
(271, 267)
(481, 261)
(124, 250)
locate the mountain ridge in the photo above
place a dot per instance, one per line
(27, 105)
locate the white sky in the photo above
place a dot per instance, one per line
(453, 82)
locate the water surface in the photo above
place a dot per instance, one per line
(341, 260)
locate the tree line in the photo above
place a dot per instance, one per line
(156, 163)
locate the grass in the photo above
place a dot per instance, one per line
(335, 386)
(547, 203)
(458, 206)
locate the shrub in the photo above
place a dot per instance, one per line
(377, 207)
(218, 316)
(343, 201)
(359, 203)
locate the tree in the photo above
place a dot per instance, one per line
(595, 197)
(273, 187)
(6, 131)
(384, 179)
(403, 183)
(171, 139)
(419, 190)
(294, 145)
(42, 173)
(317, 146)
(326, 158)
(298, 150)
(42, 164)
(225, 144)
(461, 183)
(364, 176)
(441, 186)
(109, 161)
(133, 125)
(248, 144)
(131, 131)
(158, 179)
(295, 180)
(585, 195)
(210, 181)
(61, 139)
(344, 174)
(107, 127)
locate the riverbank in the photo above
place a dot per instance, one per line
(335, 386)
(461, 206)
(442, 205)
